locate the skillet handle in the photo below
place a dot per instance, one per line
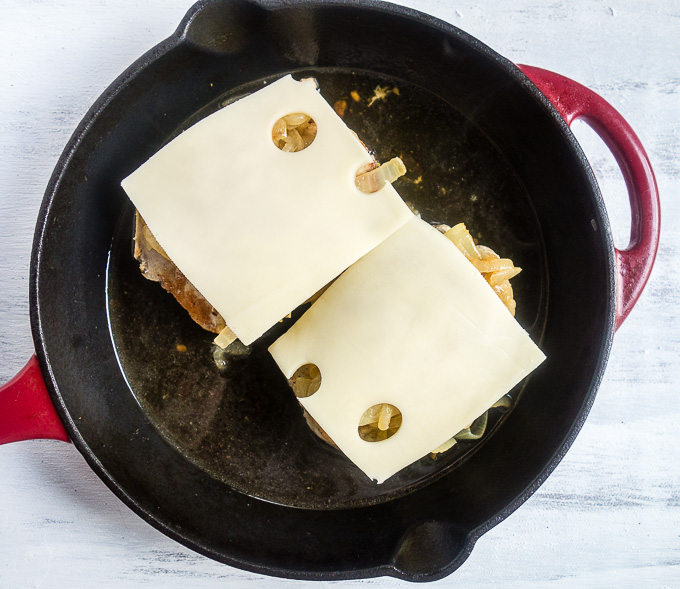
(574, 101)
(26, 410)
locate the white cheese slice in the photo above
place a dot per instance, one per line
(412, 324)
(257, 230)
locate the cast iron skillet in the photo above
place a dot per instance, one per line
(222, 461)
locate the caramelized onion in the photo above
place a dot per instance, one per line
(373, 180)
(496, 271)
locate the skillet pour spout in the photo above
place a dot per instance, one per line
(492, 144)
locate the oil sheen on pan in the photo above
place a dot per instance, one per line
(237, 419)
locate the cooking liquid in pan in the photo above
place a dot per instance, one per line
(241, 422)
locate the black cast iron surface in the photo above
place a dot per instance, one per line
(222, 461)
(242, 424)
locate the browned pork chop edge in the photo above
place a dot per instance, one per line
(157, 266)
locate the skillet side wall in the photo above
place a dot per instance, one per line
(70, 323)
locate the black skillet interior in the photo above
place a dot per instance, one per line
(222, 460)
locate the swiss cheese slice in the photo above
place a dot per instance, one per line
(255, 229)
(413, 324)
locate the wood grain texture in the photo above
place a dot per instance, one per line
(609, 516)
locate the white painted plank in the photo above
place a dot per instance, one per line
(609, 516)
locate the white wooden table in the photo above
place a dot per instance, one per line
(609, 516)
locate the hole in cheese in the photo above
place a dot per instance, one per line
(294, 132)
(306, 380)
(379, 422)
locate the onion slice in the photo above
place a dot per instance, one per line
(225, 337)
(375, 179)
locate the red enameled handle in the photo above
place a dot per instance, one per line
(574, 101)
(26, 409)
